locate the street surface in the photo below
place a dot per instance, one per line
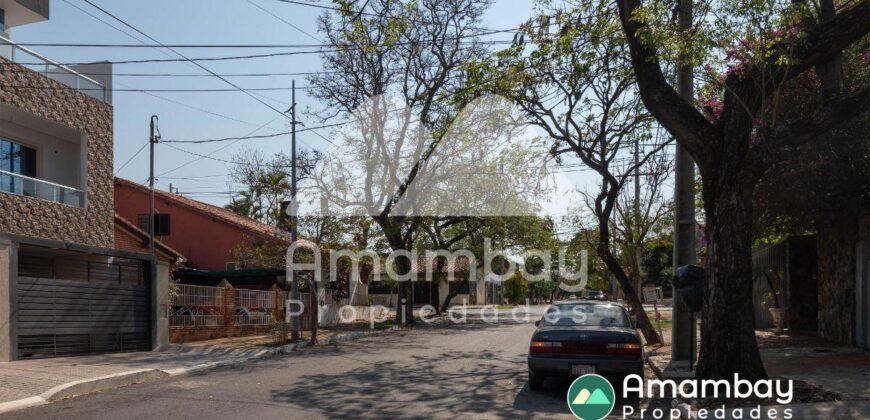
(476, 370)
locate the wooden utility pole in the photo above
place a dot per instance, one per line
(683, 331)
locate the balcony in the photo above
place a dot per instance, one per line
(53, 70)
(31, 187)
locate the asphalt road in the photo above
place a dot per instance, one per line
(474, 370)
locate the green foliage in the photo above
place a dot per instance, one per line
(827, 178)
(516, 289)
(542, 291)
(278, 330)
(657, 261)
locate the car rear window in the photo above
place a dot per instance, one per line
(586, 315)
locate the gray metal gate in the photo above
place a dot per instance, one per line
(73, 307)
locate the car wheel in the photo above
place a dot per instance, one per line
(536, 381)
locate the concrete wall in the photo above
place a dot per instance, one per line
(333, 314)
(160, 312)
(63, 110)
(8, 277)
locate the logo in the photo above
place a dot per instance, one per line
(591, 397)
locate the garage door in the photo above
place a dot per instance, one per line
(102, 312)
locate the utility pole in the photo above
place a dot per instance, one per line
(683, 331)
(294, 283)
(636, 229)
(155, 137)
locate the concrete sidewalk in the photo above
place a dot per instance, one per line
(28, 383)
(31, 382)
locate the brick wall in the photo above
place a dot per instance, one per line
(92, 118)
(125, 241)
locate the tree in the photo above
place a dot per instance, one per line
(735, 131)
(575, 83)
(821, 189)
(516, 289)
(412, 50)
(266, 183)
(642, 212)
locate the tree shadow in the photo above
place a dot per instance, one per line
(488, 382)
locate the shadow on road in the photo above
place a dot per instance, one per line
(489, 382)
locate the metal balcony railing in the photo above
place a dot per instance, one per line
(32, 187)
(51, 69)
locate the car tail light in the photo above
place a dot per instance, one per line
(624, 348)
(545, 347)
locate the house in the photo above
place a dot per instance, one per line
(466, 289)
(822, 280)
(65, 286)
(206, 235)
(130, 237)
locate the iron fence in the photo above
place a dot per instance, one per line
(253, 306)
(196, 306)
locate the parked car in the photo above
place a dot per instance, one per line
(576, 338)
(596, 295)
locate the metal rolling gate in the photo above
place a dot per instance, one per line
(73, 306)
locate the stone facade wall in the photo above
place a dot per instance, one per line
(27, 216)
(836, 273)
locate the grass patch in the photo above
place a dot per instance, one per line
(661, 324)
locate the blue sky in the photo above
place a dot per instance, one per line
(189, 116)
(200, 22)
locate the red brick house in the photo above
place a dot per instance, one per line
(206, 235)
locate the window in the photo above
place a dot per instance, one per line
(17, 159)
(162, 224)
(235, 265)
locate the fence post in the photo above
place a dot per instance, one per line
(229, 308)
(278, 307)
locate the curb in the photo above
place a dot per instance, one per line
(104, 383)
(85, 386)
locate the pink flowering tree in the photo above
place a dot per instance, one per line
(745, 54)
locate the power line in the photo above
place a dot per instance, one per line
(132, 157)
(163, 98)
(174, 101)
(221, 46)
(285, 21)
(104, 45)
(195, 60)
(263, 89)
(263, 136)
(252, 96)
(209, 155)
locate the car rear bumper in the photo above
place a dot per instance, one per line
(561, 366)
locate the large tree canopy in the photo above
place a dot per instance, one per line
(735, 132)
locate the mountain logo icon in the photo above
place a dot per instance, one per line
(595, 397)
(591, 397)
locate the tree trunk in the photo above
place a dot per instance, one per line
(448, 298)
(635, 306)
(405, 303)
(728, 344)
